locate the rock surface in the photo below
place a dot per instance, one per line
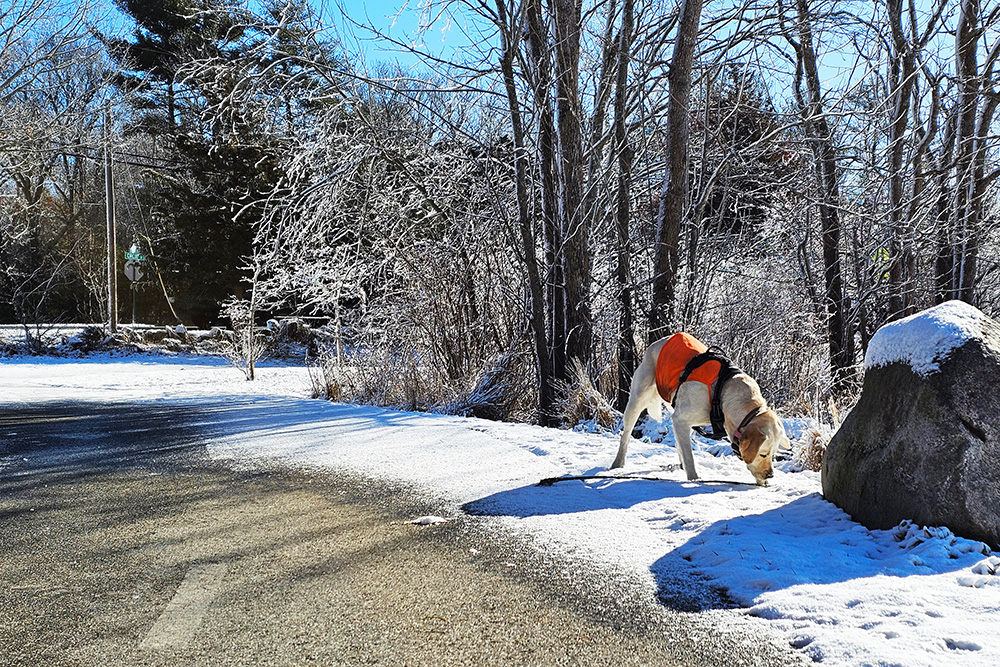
(923, 442)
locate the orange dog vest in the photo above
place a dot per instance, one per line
(675, 355)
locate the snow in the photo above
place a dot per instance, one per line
(428, 520)
(925, 339)
(840, 593)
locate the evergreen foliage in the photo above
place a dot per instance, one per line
(184, 66)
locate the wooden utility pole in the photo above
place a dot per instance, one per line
(109, 196)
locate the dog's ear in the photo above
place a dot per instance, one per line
(750, 443)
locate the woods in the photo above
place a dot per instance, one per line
(572, 181)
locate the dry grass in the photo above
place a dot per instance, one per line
(579, 400)
(502, 391)
(810, 450)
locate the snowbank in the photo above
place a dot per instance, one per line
(924, 340)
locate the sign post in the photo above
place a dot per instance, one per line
(134, 272)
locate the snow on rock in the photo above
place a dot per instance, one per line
(987, 571)
(989, 566)
(924, 340)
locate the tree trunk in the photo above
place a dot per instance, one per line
(627, 355)
(673, 193)
(943, 264)
(921, 200)
(981, 181)
(901, 78)
(525, 227)
(575, 231)
(964, 219)
(821, 140)
(540, 78)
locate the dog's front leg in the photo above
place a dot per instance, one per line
(682, 435)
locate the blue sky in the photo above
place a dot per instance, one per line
(399, 19)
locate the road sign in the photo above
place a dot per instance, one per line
(133, 271)
(134, 254)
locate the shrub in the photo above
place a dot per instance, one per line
(501, 392)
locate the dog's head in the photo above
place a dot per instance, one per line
(760, 440)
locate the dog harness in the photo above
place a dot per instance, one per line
(683, 358)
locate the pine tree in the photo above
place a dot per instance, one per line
(186, 65)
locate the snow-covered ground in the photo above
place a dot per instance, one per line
(843, 594)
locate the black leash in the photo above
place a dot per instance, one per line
(549, 481)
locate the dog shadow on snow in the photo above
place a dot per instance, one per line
(572, 496)
(678, 587)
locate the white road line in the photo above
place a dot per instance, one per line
(180, 620)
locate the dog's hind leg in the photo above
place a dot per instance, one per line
(642, 396)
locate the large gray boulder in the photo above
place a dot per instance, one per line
(923, 442)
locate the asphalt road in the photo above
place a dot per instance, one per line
(121, 543)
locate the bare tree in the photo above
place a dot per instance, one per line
(508, 25)
(575, 233)
(53, 83)
(673, 194)
(902, 80)
(968, 136)
(248, 345)
(627, 357)
(820, 136)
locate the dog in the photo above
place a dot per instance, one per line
(750, 424)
